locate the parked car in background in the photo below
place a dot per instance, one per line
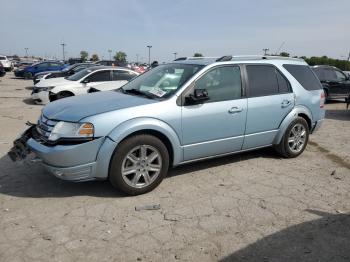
(111, 63)
(29, 71)
(2, 70)
(206, 108)
(67, 71)
(73, 61)
(336, 83)
(22, 64)
(80, 83)
(6, 63)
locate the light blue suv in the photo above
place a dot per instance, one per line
(184, 111)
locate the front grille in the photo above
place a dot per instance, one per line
(44, 127)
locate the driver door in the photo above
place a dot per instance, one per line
(215, 126)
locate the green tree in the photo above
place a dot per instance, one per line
(84, 55)
(197, 55)
(120, 57)
(285, 54)
(94, 57)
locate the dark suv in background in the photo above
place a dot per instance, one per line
(336, 83)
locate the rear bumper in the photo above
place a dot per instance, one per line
(317, 125)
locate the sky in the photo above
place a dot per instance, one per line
(210, 27)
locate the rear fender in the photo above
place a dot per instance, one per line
(288, 119)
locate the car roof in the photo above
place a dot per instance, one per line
(325, 66)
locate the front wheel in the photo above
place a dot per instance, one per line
(139, 164)
(295, 139)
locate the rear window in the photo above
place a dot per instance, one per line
(305, 76)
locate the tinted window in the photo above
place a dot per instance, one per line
(304, 75)
(122, 75)
(55, 64)
(321, 73)
(222, 83)
(340, 75)
(283, 84)
(100, 76)
(42, 65)
(262, 80)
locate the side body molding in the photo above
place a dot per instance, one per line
(288, 119)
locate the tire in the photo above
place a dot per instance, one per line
(139, 175)
(289, 147)
(63, 94)
(28, 75)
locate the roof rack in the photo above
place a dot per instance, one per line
(195, 58)
(268, 57)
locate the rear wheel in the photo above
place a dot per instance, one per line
(139, 164)
(295, 139)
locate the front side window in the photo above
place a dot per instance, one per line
(100, 76)
(222, 83)
(340, 76)
(162, 81)
(262, 80)
(55, 65)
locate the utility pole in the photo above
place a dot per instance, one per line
(26, 48)
(137, 58)
(349, 57)
(265, 50)
(63, 45)
(175, 54)
(149, 54)
(110, 54)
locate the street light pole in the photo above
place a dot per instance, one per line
(265, 50)
(149, 54)
(137, 58)
(26, 48)
(175, 54)
(63, 45)
(110, 54)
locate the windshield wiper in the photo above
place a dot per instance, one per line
(138, 92)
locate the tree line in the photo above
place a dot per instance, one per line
(118, 57)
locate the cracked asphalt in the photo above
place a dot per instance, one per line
(249, 207)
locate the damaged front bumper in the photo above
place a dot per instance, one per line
(73, 162)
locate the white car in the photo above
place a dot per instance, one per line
(108, 78)
(7, 64)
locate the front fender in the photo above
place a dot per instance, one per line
(288, 119)
(144, 123)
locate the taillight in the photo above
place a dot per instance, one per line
(322, 100)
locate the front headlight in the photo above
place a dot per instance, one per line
(72, 130)
(46, 88)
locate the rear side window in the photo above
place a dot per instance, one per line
(262, 80)
(304, 75)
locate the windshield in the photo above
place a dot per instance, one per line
(2, 58)
(79, 75)
(68, 68)
(162, 81)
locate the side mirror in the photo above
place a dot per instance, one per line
(85, 81)
(199, 96)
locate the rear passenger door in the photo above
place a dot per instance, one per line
(270, 99)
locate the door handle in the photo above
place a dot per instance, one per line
(235, 110)
(286, 103)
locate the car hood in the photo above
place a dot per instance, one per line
(73, 109)
(53, 82)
